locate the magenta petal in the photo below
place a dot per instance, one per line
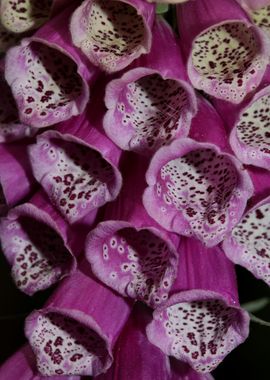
(135, 357)
(182, 371)
(74, 173)
(16, 178)
(35, 244)
(187, 194)
(202, 325)
(22, 366)
(208, 28)
(151, 104)
(75, 332)
(249, 242)
(48, 77)
(127, 22)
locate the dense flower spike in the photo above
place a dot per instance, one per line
(249, 242)
(129, 252)
(34, 239)
(48, 77)
(227, 55)
(202, 325)
(16, 178)
(194, 188)
(77, 167)
(151, 104)
(77, 329)
(112, 33)
(22, 366)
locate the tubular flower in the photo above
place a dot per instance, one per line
(77, 167)
(22, 366)
(227, 54)
(193, 187)
(248, 244)
(202, 321)
(129, 252)
(48, 77)
(35, 242)
(16, 178)
(113, 33)
(151, 104)
(76, 330)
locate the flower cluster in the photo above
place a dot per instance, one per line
(134, 169)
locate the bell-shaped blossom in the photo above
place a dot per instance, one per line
(16, 178)
(77, 164)
(38, 244)
(259, 12)
(48, 77)
(113, 33)
(152, 103)
(202, 321)
(75, 332)
(227, 54)
(194, 187)
(128, 251)
(22, 366)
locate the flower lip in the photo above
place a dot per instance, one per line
(34, 246)
(188, 207)
(136, 262)
(142, 99)
(67, 342)
(221, 327)
(123, 45)
(75, 175)
(248, 243)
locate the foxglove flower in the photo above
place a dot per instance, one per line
(151, 104)
(129, 252)
(75, 332)
(227, 54)
(113, 33)
(10, 126)
(48, 77)
(22, 366)
(248, 244)
(202, 321)
(259, 12)
(193, 187)
(35, 241)
(77, 167)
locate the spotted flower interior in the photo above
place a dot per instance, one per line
(47, 87)
(253, 134)
(19, 16)
(65, 346)
(251, 242)
(149, 113)
(138, 264)
(261, 17)
(201, 186)
(112, 33)
(201, 332)
(7, 39)
(40, 256)
(75, 176)
(227, 58)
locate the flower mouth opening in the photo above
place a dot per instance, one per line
(253, 128)
(49, 88)
(113, 33)
(261, 17)
(227, 58)
(138, 264)
(202, 332)
(20, 16)
(41, 257)
(64, 346)
(252, 235)
(200, 184)
(153, 111)
(76, 177)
